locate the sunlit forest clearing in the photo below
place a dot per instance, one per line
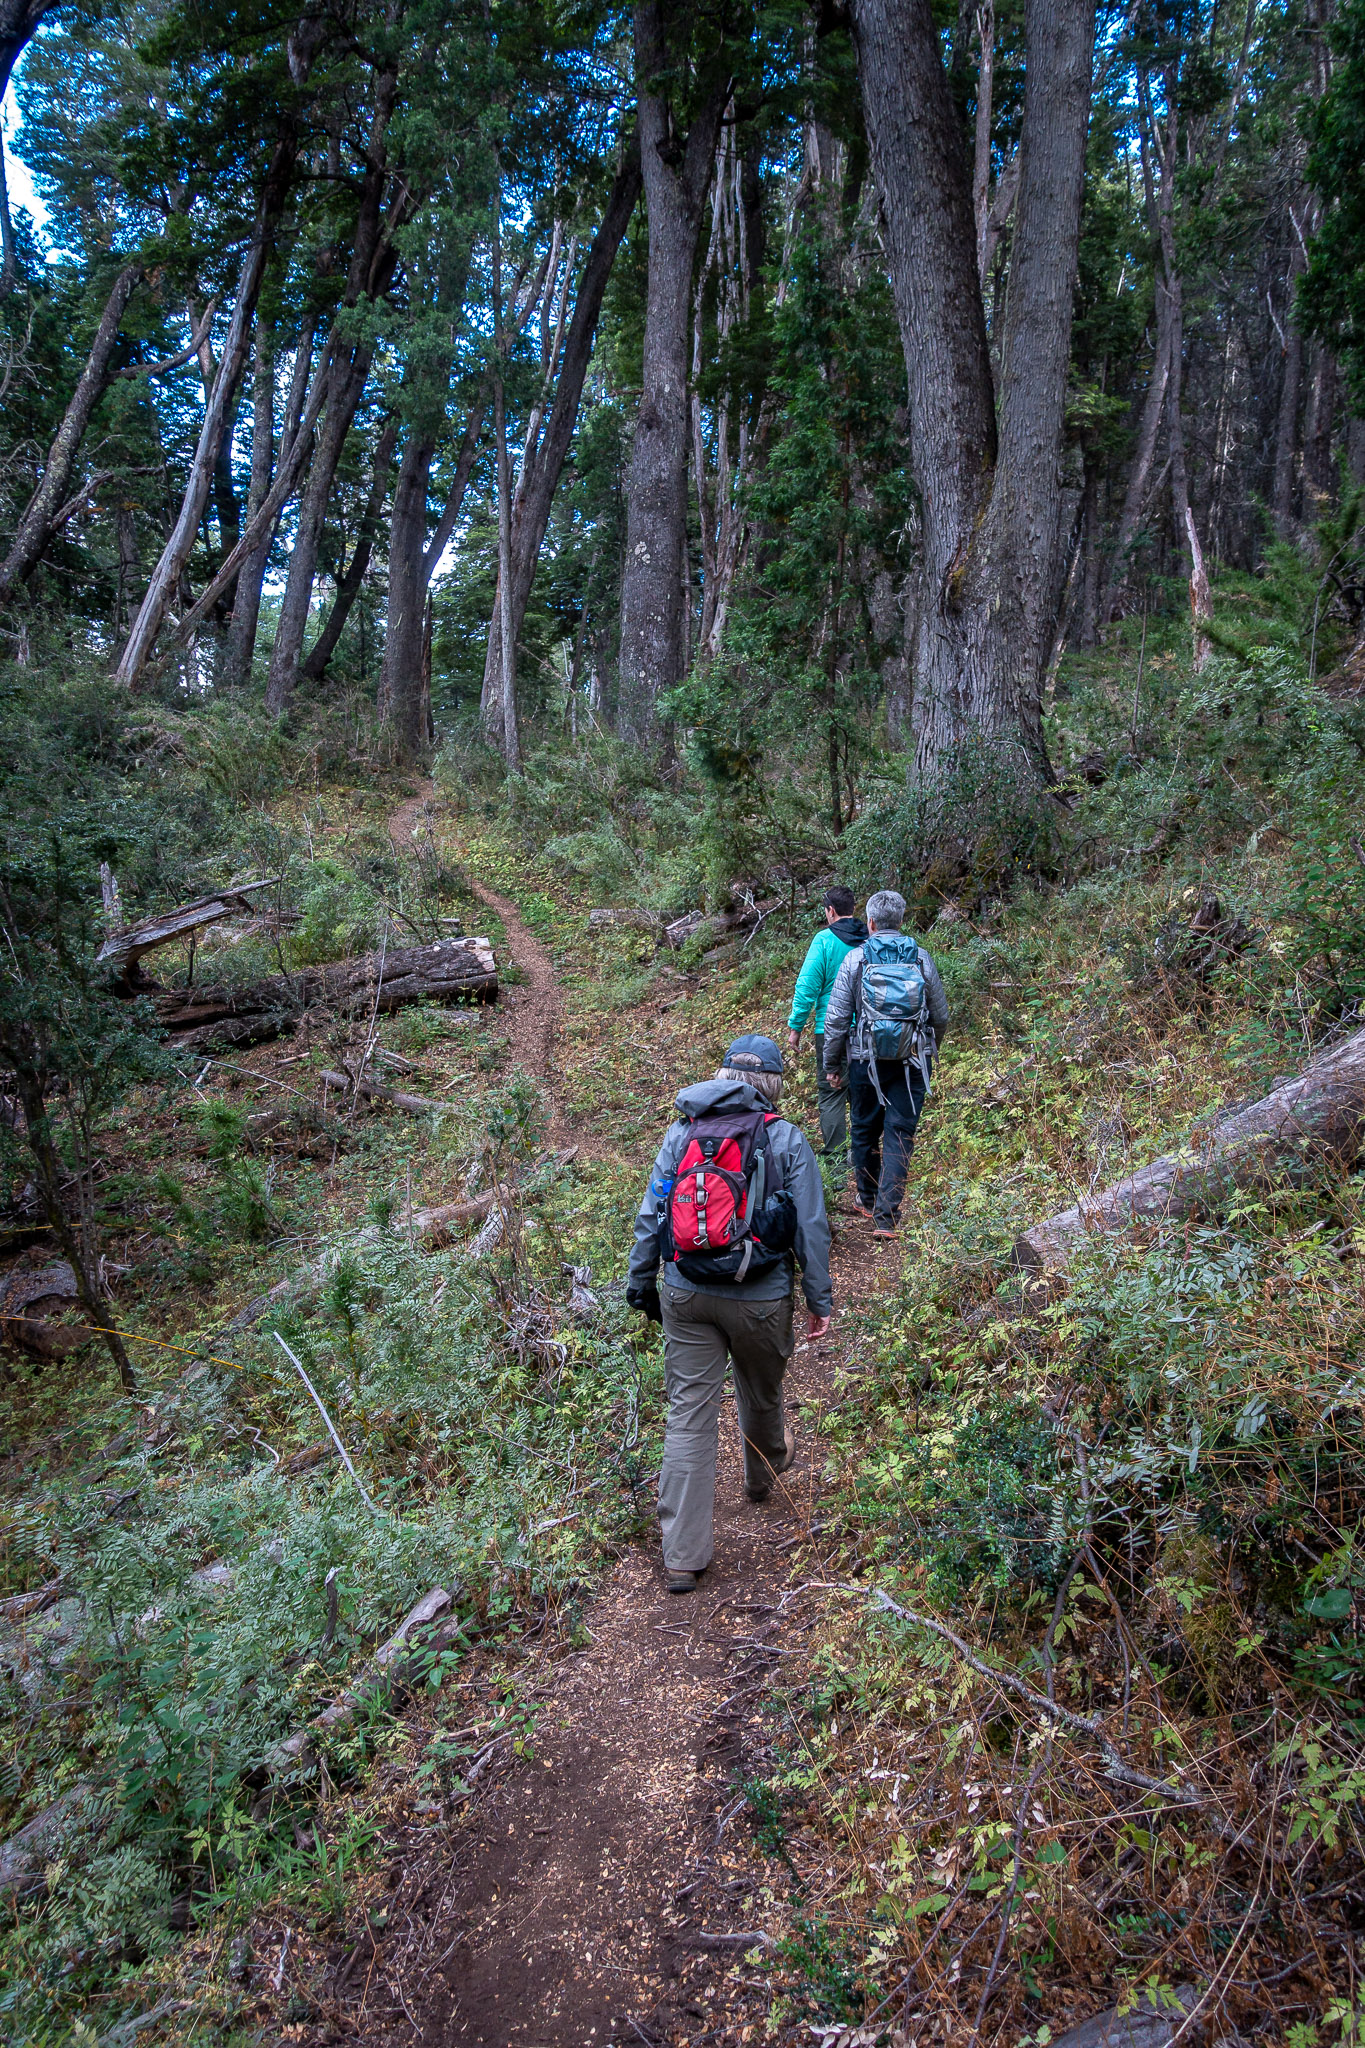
(501, 509)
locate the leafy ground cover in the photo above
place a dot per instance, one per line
(1140, 1505)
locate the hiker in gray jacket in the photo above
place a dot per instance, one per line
(885, 1095)
(726, 1297)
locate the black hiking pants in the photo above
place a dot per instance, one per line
(883, 1136)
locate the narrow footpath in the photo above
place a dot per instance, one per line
(606, 1888)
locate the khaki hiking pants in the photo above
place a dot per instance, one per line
(703, 1333)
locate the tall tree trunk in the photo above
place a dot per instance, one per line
(412, 561)
(540, 479)
(246, 601)
(1287, 421)
(401, 674)
(35, 527)
(176, 553)
(1317, 434)
(348, 585)
(991, 501)
(1161, 201)
(507, 695)
(676, 172)
(372, 259)
(250, 577)
(1144, 455)
(350, 371)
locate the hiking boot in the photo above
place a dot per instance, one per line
(860, 1209)
(764, 1487)
(885, 1230)
(682, 1582)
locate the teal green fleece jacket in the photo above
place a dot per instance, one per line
(828, 951)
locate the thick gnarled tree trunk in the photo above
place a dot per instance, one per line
(991, 500)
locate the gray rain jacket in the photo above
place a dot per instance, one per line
(791, 1151)
(846, 1036)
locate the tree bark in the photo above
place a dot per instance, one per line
(176, 553)
(412, 561)
(246, 603)
(1287, 422)
(400, 678)
(991, 502)
(535, 495)
(348, 586)
(1315, 1120)
(507, 730)
(372, 259)
(350, 372)
(260, 530)
(212, 1016)
(676, 172)
(1317, 434)
(36, 527)
(1144, 454)
(48, 1175)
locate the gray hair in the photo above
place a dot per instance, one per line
(886, 910)
(766, 1084)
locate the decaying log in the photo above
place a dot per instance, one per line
(436, 1226)
(123, 949)
(696, 927)
(378, 1091)
(209, 1017)
(387, 1668)
(28, 1300)
(630, 920)
(1311, 1121)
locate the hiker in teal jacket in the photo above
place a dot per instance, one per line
(828, 951)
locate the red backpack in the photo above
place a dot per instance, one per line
(724, 1215)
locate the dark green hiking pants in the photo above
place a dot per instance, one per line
(703, 1334)
(833, 1120)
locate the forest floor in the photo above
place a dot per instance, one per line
(599, 1888)
(763, 1812)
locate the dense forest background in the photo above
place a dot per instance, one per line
(348, 349)
(477, 474)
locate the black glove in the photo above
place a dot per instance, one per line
(646, 1300)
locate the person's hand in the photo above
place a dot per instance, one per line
(646, 1301)
(816, 1328)
(833, 1078)
(794, 1042)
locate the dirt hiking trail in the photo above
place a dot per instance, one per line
(605, 1888)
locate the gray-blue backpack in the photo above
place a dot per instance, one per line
(893, 1000)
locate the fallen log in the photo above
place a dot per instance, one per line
(696, 928)
(204, 1018)
(389, 1666)
(123, 949)
(378, 1091)
(436, 1225)
(1311, 1121)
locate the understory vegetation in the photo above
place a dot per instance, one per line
(470, 471)
(1141, 1501)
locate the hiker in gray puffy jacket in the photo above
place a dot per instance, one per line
(885, 1097)
(744, 1323)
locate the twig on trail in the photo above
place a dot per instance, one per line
(331, 1429)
